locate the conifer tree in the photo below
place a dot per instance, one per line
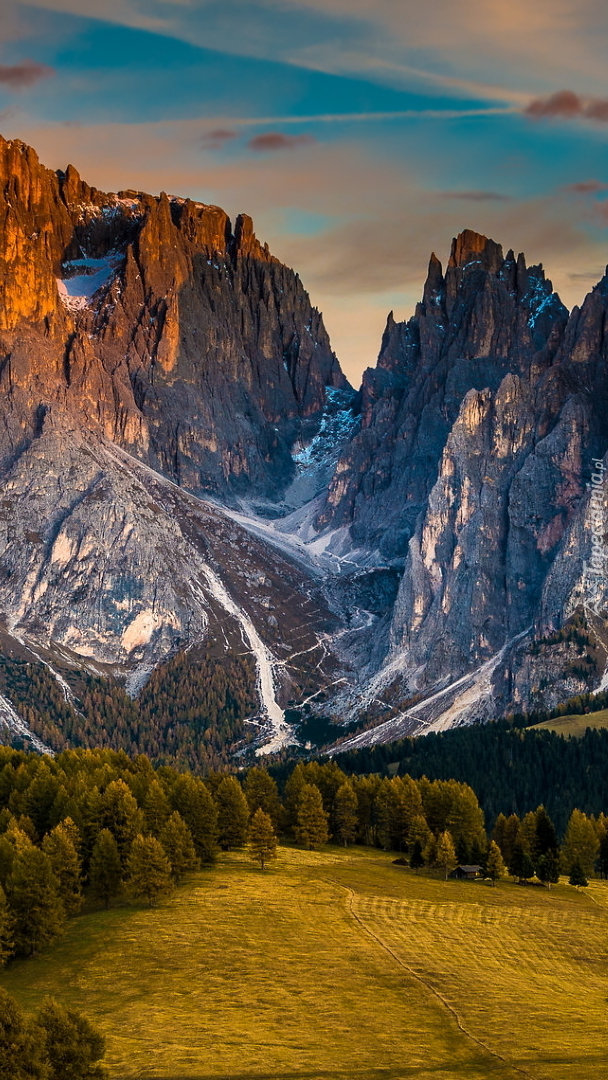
(548, 868)
(262, 793)
(105, 869)
(346, 814)
(178, 846)
(311, 822)
(33, 894)
(262, 838)
(157, 809)
(577, 875)
(495, 867)
(63, 856)
(291, 796)
(581, 843)
(446, 854)
(121, 815)
(232, 814)
(73, 1046)
(148, 870)
(193, 800)
(417, 857)
(22, 1045)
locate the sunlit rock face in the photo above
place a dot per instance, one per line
(161, 326)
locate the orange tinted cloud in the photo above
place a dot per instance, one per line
(274, 141)
(567, 105)
(20, 76)
(587, 187)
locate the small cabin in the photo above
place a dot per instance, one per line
(466, 872)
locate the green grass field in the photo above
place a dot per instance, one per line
(339, 964)
(574, 725)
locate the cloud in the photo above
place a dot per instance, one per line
(216, 139)
(586, 187)
(566, 105)
(20, 76)
(475, 196)
(273, 141)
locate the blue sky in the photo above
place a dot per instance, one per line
(360, 135)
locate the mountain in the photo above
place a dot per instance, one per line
(187, 478)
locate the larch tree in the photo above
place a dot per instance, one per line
(445, 856)
(193, 800)
(148, 870)
(495, 866)
(74, 1048)
(346, 814)
(262, 793)
(33, 894)
(232, 814)
(262, 838)
(311, 821)
(58, 845)
(581, 843)
(22, 1044)
(178, 846)
(105, 869)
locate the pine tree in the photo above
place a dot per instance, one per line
(581, 843)
(577, 874)
(33, 894)
(59, 847)
(446, 855)
(346, 814)
(262, 793)
(193, 800)
(521, 865)
(22, 1045)
(311, 823)
(178, 846)
(548, 868)
(148, 870)
(495, 867)
(105, 870)
(262, 838)
(73, 1047)
(416, 858)
(121, 815)
(232, 814)
(156, 809)
(546, 836)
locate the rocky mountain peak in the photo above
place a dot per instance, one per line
(470, 246)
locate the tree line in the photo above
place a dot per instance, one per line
(512, 769)
(101, 824)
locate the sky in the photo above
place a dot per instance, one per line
(359, 134)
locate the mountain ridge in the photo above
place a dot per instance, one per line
(182, 460)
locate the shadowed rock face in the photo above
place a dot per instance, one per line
(479, 427)
(168, 332)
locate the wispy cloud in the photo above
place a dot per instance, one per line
(475, 196)
(273, 141)
(566, 105)
(26, 73)
(586, 187)
(216, 139)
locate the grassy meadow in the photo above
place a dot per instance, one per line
(574, 725)
(339, 964)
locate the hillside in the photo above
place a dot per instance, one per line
(575, 726)
(339, 964)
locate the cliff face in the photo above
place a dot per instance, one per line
(159, 326)
(480, 427)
